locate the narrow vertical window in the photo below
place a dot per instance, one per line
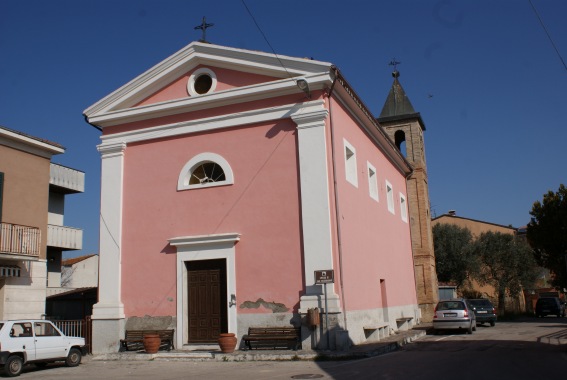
(372, 182)
(403, 208)
(350, 164)
(390, 197)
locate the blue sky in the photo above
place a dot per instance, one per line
(487, 81)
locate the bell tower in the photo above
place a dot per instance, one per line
(405, 127)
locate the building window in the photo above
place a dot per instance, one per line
(372, 181)
(390, 197)
(205, 170)
(403, 208)
(350, 164)
(201, 82)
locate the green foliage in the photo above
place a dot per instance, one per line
(453, 257)
(507, 263)
(547, 234)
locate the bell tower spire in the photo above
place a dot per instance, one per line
(405, 127)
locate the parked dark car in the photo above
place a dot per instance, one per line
(549, 306)
(484, 311)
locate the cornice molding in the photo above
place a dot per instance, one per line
(212, 100)
(29, 145)
(213, 123)
(199, 240)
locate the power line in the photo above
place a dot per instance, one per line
(548, 35)
(265, 38)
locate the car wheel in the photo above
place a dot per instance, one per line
(13, 366)
(492, 323)
(74, 358)
(469, 330)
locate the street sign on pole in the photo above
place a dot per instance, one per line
(324, 277)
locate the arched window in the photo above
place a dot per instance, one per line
(205, 170)
(400, 142)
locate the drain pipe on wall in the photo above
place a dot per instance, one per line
(336, 196)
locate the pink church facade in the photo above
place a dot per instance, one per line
(225, 186)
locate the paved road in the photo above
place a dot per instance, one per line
(511, 350)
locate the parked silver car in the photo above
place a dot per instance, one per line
(454, 314)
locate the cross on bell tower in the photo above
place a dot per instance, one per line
(204, 27)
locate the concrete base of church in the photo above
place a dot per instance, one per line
(106, 335)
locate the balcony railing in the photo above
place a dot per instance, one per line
(64, 237)
(71, 180)
(19, 240)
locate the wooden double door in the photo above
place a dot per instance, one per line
(208, 304)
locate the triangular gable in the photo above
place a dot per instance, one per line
(226, 79)
(158, 91)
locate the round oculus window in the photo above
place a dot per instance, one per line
(203, 84)
(202, 81)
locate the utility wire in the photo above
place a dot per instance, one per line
(265, 38)
(548, 35)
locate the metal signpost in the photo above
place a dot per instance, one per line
(324, 277)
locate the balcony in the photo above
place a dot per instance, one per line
(67, 238)
(66, 180)
(19, 242)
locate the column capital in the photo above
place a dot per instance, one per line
(112, 149)
(308, 117)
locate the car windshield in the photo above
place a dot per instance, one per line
(480, 303)
(546, 301)
(451, 305)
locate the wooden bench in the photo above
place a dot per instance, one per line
(273, 338)
(134, 339)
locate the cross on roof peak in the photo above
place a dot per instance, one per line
(204, 27)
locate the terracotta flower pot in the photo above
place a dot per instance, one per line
(227, 342)
(152, 343)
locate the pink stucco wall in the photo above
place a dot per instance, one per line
(226, 79)
(375, 243)
(262, 205)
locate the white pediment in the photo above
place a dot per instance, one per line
(126, 104)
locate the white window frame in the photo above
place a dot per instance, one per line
(196, 74)
(196, 161)
(390, 197)
(403, 208)
(350, 163)
(372, 181)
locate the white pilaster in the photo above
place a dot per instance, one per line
(315, 205)
(109, 304)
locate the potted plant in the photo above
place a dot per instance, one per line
(227, 342)
(151, 343)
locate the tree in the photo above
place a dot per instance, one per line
(547, 234)
(507, 263)
(453, 255)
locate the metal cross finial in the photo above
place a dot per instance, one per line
(204, 27)
(394, 63)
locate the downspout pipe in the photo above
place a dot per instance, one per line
(336, 197)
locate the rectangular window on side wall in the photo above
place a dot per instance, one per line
(372, 182)
(403, 208)
(350, 163)
(390, 197)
